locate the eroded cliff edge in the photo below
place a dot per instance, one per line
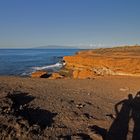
(105, 61)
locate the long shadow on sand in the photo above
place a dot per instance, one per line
(130, 108)
(136, 117)
(20, 99)
(100, 131)
(21, 107)
(119, 128)
(78, 136)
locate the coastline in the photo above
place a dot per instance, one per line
(74, 103)
(123, 61)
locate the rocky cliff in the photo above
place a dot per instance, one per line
(106, 61)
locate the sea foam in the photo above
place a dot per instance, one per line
(54, 66)
(49, 68)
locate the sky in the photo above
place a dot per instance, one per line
(85, 23)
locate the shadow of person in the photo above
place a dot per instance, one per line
(119, 127)
(136, 117)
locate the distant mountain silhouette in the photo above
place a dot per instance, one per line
(56, 47)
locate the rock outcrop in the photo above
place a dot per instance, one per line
(55, 75)
(39, 74)
(44, 74)
(83, 74)
(107, 61)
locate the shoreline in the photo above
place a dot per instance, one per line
(75, 103)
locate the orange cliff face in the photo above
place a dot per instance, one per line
(39, 74)
(107, 61)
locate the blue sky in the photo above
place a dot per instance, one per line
(32, 23)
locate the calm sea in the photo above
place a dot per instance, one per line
(23, 62)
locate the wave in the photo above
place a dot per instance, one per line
(54, 66)
(49, 68)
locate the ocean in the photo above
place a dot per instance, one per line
(22, 62)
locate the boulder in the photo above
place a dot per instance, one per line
(83, 74)
(55, 75)
(39, 74)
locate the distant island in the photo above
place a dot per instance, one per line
(56, 47)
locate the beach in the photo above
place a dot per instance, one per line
(62, 108)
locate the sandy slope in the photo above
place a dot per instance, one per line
(66, 108)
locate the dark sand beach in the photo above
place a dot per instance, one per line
(69, 109)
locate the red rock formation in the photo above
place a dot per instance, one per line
(83, 74)
(39, 74)
(108, 61)
(55, 75)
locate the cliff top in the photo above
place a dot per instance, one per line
(124, 51)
